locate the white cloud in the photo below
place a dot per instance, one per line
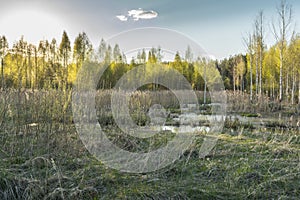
(122, 18)
(134, 13)
(147, 15)
(138, 14)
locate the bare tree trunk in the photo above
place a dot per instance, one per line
(30, 69)
(3, 48)
(242, 83)
(284, 12)
(251, 81)
(261, 48)
(293, 87)
(273, 90)
(280, 76)
(205, 82)
(2, 74)
(26, 72)
(36, 69)
(260, 75)
(249, 43)
(287, 85)
(234, 80)
(256, 75)
(299, 92)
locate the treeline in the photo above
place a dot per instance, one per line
(267, 71)
(56, 65)
(273, 71)
(49, 64)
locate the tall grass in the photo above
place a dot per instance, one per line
(42, 156)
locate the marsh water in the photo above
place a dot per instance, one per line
(191, 122)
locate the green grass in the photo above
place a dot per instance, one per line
(49, 161)
(240, 167)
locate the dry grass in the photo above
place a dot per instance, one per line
(42, 157)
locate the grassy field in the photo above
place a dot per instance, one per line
(42, 156)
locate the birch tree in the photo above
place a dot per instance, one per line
(3, 51)
(281, 31)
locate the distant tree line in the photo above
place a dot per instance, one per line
(262, 71)
(270, 71)
(55, 65)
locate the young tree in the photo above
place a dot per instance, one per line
(65, 50)
(43, 51)
(117, 56)
(205, 81)
(294, 63)
(36, 67)
(138, 57)
(152, 58)
(102, 50)
(3, 51)
(19, 52)
(54, 63)
(177, 65)
(53, 51)
(271, 70)
(143, 56)
(159, 55)
(82, 49)
(281, 33)
(189, 55)
(30, 52)
(249, 44)
(108, 55)
(259, 30)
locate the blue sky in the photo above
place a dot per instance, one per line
(217, 25)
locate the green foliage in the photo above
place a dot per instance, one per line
(50, 65)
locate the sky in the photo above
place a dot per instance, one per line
(218, 26)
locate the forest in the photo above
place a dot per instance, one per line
(264, 71)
